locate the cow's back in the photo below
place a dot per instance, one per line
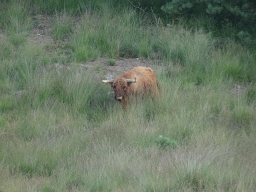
(146, 78)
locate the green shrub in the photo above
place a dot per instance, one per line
(232, 14)
(111, 62)
(164, 142)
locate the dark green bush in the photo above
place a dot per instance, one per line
(238, 14)
(111, 62)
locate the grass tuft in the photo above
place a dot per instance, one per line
(62, 27)
(112, 62)
(164, 142)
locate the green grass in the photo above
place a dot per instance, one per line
(5, 49)
(61, 131)
(62, 27)
(111, 62)
(17, 23)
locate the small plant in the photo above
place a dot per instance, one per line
(164, 142)
(112, 62)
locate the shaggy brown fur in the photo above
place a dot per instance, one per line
(146, 82)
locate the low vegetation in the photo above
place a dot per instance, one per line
(61, 131)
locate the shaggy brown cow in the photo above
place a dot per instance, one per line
(137, 80)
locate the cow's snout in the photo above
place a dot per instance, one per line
(119, 98)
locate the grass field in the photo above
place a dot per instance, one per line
(61, 131)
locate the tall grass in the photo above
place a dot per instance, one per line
(74, 6)
(62, 27)
(61, 131)
(16, 22)
(105, 35)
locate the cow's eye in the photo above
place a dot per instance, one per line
(124, 88)
(114, 87)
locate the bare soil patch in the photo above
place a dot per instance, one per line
(120, 67)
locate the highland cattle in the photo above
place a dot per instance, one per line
(133, 82)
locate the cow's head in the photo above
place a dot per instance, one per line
(120, 86)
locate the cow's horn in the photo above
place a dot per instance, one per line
(108, 81)
(131, 80)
